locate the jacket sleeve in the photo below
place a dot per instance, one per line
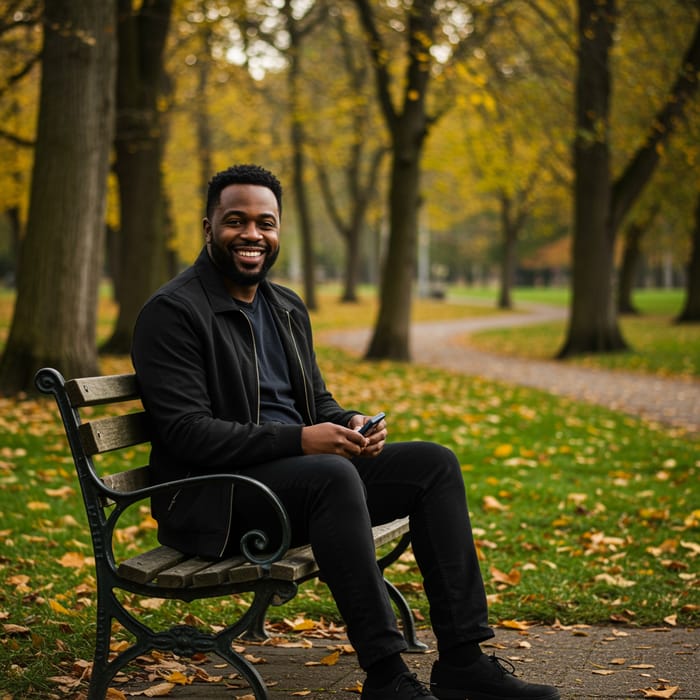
(176, 371)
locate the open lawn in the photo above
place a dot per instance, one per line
(657, 345)
(581, 514)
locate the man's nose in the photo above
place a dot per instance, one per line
(251, 231)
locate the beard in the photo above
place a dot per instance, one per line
(240, 276)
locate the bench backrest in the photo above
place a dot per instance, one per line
(99, 435)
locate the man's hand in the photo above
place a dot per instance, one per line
(332, 439)
(375, 439)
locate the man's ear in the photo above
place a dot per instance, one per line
(206, 226)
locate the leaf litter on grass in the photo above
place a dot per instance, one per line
(580, 514)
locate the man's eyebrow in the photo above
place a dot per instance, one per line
(244, 213)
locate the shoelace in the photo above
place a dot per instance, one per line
(410, 679)
(504, 666)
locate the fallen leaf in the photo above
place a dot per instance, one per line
(510, 579)
(331, 659)
(58, 608)
(514, 624)
(491, 504)
(667, 692)
(159, 691)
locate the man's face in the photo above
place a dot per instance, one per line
(242, 235)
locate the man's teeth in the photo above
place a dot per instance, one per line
(250, 253)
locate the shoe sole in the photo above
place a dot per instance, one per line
(450, 694)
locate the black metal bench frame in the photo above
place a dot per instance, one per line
(273, 577)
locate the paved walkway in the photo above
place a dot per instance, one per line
(669, 401)
(614, 663)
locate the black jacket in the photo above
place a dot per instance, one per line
(195, 360)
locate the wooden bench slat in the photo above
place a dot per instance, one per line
(180, 575)
(138, 478)
(299, 562)
(114, 432)
(92, 391)
(146, 566)
(245, 572)
(218, 572)
(387, 532)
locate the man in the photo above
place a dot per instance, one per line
(228, 375)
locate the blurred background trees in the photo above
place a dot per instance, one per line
(436, 141)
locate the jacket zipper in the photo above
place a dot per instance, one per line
(257, 420)
(301, 367)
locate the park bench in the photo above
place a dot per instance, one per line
(270, 573)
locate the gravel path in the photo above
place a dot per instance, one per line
(671, 402)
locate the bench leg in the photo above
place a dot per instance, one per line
(266, 594)
(406, 616)
(182, 640)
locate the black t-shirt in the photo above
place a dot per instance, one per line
(276, 397)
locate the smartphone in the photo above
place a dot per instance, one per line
(372, 423)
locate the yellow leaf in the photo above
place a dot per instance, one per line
(503, 451)
(58, 608)
(178, 678)
(114, 694)
(331, 659)
(72, 560)
(38, 505)
(514, 625)
(62, 492)
(300, 625)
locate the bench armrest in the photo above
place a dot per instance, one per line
(252, 540)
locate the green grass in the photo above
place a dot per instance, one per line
(657, 345)
(590, 515)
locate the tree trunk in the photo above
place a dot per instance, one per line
(628, 270)
(391, 335)
(600, 207)
(60, 260)
(408, 128)
(138, 150)
(630, 259)
(691, 309)
(303, 215)
(508, 261)
(593, 324)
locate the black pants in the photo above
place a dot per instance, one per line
(333, 503)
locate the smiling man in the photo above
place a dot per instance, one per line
(228, 375)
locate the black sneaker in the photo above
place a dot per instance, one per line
(486, 679)
(404, 687)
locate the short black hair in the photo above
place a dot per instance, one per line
(241, 175)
